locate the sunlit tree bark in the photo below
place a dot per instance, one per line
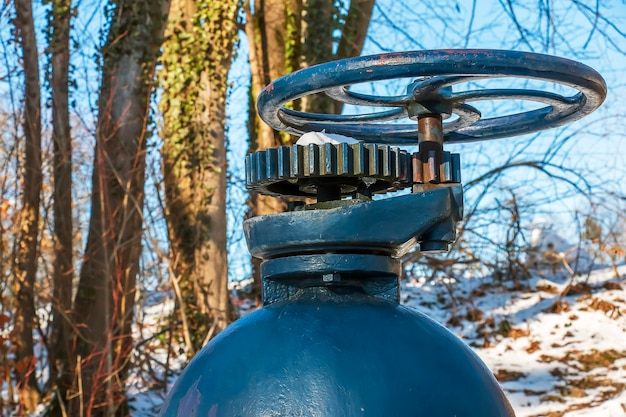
(197, 56)
(103, 308)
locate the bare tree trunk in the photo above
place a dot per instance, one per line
(317, 48)
(25, 268)
(59, 340)
(353, 34)
(355, 29)
(211, 267)
(194, 81)
(103, 308)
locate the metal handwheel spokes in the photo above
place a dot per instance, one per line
(436, 72)
(358, 99)
(295, 116)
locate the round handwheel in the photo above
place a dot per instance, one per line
(436, 72)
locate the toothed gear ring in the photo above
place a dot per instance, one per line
(299, 171)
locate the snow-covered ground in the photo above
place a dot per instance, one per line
(556, 355)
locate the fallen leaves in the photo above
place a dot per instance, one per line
(507, 330)
(552, 398)
(517, 333)
(474, 315)
(533, 347)
(550, 289)
(608, 308)
(503, 375)
(597, 359)
(578, 388)
(559, 306)
(586, 361)
(558, 359)
(571, 391)
(578, 288)
(611, 286)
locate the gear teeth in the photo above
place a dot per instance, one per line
(384, 165)
(345, 159)
(248, 169)
(371, 158)
(429, 173)
(446, 167)
(311, 160)
(289, 164)
(284, 163)
(271, 163)
(455, 161)
(400, 170)
(328, 159)
(360, 160)
(297, 161)
(258, 167)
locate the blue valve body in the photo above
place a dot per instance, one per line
(335, 351)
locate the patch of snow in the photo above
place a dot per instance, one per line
(321, 138)
(549, 249)
(554, 357)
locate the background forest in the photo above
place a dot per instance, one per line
(123, 127)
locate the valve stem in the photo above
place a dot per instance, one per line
(430, 129)
(429, 161)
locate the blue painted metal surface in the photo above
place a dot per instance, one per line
(342, 354)
(392, 226)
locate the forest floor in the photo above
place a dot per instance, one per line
(557, 347)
